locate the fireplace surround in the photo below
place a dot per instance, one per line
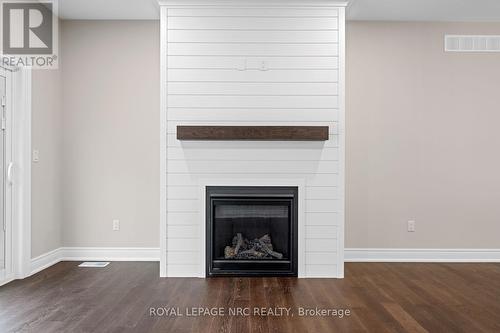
(251, 231)
(255, 84)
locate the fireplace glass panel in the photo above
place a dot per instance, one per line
(257, 222)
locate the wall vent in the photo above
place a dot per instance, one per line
(472, 43)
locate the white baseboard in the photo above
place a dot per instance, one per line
(351, 255)
(110, 253)
(94, 254)
(45, 260)
(4, 282)
(421, 255)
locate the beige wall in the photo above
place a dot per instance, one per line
(111, 133)
(46, 174)
(422, 138)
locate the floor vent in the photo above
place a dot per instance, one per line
(97, 264)
(472, 43)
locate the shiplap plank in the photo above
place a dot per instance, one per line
(323, 192)
(182, 218)
(322, 205)
(321, 245)
(253, 23)
(322, 218)
(183, 192)
(253, 12)
(321, 232)
(256, 167)
(183, 258)
(192, 179)
(320, 180)
(183, 244)
(330, 143)
(183, 270)
(183, 231)
(184, 115)
(176, 179)
(177, 205)
(219, 75)
(252, 63)
(261, 50)
(245, 36)
(321, 271)
(193, 101)
(206, 152)
(252, 89)
(321, 258)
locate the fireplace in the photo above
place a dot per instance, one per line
(251, 231)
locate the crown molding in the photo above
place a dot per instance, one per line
(252, 3)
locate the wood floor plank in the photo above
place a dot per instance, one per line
(404, 318)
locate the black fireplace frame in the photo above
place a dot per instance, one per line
(268, 267)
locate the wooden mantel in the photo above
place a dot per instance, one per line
(253, 133)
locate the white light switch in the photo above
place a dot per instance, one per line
(36, 155)
(116, 225)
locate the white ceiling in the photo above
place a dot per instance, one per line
(394, 10)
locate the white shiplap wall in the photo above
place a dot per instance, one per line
(262, 65)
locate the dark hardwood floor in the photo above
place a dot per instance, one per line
(382, 297)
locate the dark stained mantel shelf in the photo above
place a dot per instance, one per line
(253, 133)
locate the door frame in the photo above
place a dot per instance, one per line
(21, 187)
(7, 271)
(20, 142)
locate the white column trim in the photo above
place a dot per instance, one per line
(21, 190)
(342, 136)
(163, 142)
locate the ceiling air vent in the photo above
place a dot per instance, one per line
(471, 43)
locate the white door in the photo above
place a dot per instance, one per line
(5, 191)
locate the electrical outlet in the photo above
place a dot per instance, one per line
(411, 226)
(36, 155)
(116, 225)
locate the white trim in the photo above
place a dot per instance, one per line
(163, 141)
(351, 255)
(253, 3)
(93, 254)
(203, 227)
(341, 136)
(21, 157)
(7, 272)
(111, 253)
(4, 282)
(45, 261)
(421, 255)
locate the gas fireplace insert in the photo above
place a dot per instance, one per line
(251, 230)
